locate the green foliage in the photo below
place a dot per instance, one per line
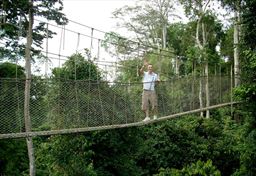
(9, 70)
(184, 141)
(248, 155)
(64, 155)
(116, 152)
(164, 146)
(145, 150)
(247, 94)
(13, 157)
(38, 102)
(248, 23)
(181, 37)
(248, 67)
(161, 63)
(178, 38)
(99, 153)
(214, 34)
(247, 91)
(195, 169)
(214, 30)
(78, 68)
(129, 71)
(185, 146)
(116, 45)
(193, 62)
(227, 47)
(16, 23)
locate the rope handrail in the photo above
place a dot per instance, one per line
(175, 77)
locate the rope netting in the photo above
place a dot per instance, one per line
(65, 104)
(74, 101)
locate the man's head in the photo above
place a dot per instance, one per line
(150, 68)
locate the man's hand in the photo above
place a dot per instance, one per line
(145, 63)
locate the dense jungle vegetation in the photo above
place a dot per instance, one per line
(221, 144)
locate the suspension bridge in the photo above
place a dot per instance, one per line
(62, 106)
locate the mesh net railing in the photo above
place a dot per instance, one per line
(67, 104)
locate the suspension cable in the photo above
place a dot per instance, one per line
(128, 40)
(92, 29)
(77, 45)
(76, 92)
(61, 38)
(98, 53)
(46, 51)
(64, 34)
(137, 64)
(115, 35)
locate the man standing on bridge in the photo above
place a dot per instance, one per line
(149, 94)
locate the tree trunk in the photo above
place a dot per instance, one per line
(29, 140)
(206, 72)
(200, 95)
(202, 47)
(200, 80)
(236, 50)
(193, 84)
(164, 33)
(207, 89)
(177, 65)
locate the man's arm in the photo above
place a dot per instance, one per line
(145, 64)
(141, 70)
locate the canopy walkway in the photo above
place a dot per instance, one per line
(68, 106)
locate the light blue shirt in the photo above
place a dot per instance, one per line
(149, 81)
